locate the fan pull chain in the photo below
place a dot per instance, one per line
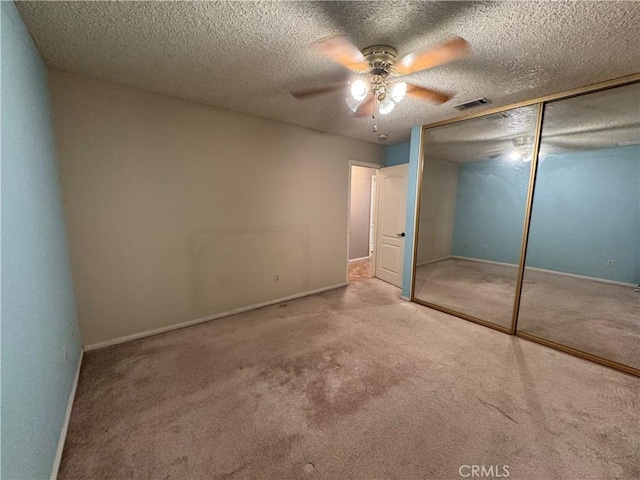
(373, 114)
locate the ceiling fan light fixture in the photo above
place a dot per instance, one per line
(359, 90)
(398, 91)
(378, 68)
(386, 105)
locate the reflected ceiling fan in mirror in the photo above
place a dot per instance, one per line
(381, 86)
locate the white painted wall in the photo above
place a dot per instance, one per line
(437, 210)
(360, 215)
(177, 210)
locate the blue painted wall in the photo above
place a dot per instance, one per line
(414, 160)
(490, 205)
(38, 305)
(586, 211)
(396, 154)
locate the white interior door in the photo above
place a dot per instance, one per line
(392, 211)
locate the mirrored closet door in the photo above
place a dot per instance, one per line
(529, 221)
(583, 253)
(472, 207)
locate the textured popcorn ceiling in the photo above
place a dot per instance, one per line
(607, 118)
(247, 56)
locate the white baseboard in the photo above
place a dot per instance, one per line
(436, 260)
(584, 277)
(156, 331)
(67, 417)
(471, 259)
(536, 269)
(358, 259)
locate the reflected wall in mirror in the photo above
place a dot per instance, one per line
(472, 206)
(583, 253)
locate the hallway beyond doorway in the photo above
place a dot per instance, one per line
(360, 270)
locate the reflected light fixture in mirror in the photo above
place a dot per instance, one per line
(522, 149)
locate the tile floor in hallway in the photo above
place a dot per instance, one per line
(361, 270)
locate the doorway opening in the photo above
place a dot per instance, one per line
(363, 179)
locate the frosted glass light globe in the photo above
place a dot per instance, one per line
(359, 90)
(386, 106)
(398, 91)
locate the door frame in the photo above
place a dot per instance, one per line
(374, 208)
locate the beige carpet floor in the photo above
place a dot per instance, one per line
(352, 383)
(596, 317)
(483, 290)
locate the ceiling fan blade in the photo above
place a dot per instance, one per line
(312, 92)
(445, 52)
(340, 50)
(427, 94)
(365, 109)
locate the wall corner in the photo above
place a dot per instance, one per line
(412, 190)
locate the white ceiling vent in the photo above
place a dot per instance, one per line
(472, 104)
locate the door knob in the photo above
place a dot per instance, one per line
(400, 234)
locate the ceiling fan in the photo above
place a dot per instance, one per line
(381, 67)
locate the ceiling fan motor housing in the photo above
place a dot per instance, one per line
(381, 58)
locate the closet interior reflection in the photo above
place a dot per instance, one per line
(529, 222)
